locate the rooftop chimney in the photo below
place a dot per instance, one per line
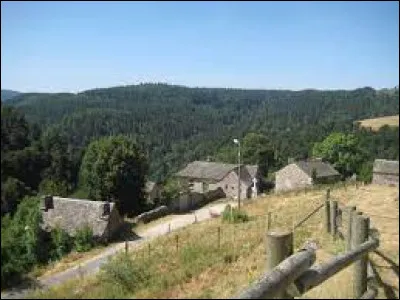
(47, 203)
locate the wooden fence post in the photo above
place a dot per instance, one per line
(149, 249)
(333, 214)
(360, 232)
(351, 212)
(279, 246)
(219, 237)
(327, 217)
(177, 242)
(126, 247)
(269, 221)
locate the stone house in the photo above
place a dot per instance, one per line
(153, 192)
(204, 176)
(72, 214)
(385, 172)
(300, 175)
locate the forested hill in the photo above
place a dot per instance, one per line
(8, 94)
(176, 124)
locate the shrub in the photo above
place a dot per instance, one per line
(61, 243)
(20, 241)
(54, 187)
(234, 215)
(123, 272)
(365, 172)
(84, 240)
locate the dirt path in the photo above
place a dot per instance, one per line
(93, 265)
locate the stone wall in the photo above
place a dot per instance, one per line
(381, 178)
(152, 214)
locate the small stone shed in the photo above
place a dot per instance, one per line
(385, 172)
(73, 214)
(300, 175)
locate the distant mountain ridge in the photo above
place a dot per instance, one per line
(8, 94)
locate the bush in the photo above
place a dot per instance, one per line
(84, 240)
(234, 215)
(61, 243)
(54, 187)
(365, 173)
(124, 273)
(20, 241)
(12, 191)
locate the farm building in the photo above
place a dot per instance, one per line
(385, 172)
(300, 174)
(72, 214)
(217, 179)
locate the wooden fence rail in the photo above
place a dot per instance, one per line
(295, 273)
(319, 273)
(276, 280)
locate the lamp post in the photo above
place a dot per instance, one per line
(236, 141)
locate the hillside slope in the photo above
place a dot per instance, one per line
(8, 94)
(200, 268)
(377, 123)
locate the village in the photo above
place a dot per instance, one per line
(201, 183)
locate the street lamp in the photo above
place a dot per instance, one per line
(236, 141)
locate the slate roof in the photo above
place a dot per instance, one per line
(386, 166)
(72, 214)
(206, 170)
(323, 169)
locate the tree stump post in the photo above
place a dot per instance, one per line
(351, 212)
(360, 232)
(279, 246)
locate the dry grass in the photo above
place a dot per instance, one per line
(141, 227)
(70, 260)
(199, 269)
(377, 123)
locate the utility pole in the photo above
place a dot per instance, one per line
(236, 141)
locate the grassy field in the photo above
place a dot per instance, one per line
(196, 265)
(377, 123)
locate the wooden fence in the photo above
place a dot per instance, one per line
(291, 275)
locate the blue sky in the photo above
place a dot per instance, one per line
(74, 46)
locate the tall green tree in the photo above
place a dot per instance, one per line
(114, 168)
(342, 151)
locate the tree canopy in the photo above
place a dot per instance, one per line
(114, 169)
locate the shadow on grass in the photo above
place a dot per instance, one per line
(126, 233)
(17, 290)
(387, 288)
(393, 265)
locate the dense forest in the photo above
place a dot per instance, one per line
(175, 125)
